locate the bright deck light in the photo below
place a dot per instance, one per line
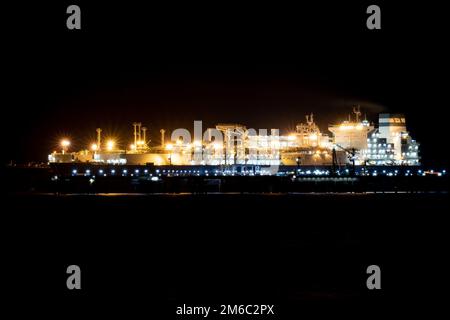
(110, 145)
(65, 143)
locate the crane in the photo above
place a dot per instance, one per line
(351, 152)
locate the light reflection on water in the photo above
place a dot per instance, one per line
(183, 194)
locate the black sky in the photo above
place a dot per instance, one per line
(265, 66)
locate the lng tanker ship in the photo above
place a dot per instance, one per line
(354, 141)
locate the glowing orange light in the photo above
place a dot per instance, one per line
(110, 145)
(65, 143)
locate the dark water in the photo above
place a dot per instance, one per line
(307, 254)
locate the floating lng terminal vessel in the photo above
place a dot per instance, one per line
(354, 141)
(354, 156)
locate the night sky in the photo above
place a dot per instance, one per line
(264, 66)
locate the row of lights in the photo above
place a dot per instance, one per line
(315, 172)
(110, 145)
(101, 171)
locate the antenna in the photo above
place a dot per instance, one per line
(135, 126)
(99, 138)
(139, 130)
(357, 112)
(144, 130)
(162, 136)
(310, 119)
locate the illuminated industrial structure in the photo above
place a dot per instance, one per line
(353, 140)
(352, 133)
